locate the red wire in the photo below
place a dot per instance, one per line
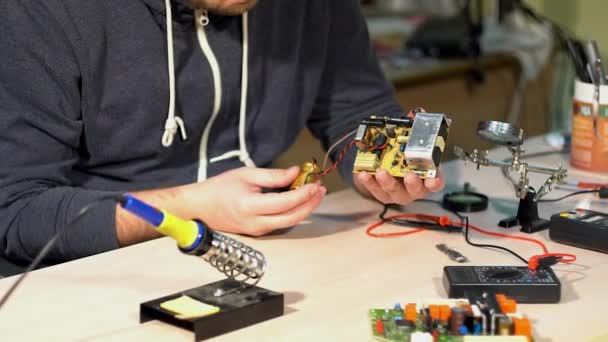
(445, 221)
(571, 257)
(369, 229)
(374, 148)
(341, 155)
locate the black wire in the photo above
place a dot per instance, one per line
(576, 193)
(466, 237)
(465, 221)
(49, 246)
(383, 212)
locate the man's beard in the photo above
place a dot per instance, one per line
(226, 7)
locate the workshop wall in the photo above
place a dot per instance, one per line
(584, 18)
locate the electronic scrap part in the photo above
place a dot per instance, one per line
(401, 145)
(427, 143)
(491, 318)
(309, 173)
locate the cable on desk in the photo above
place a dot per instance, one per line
(601, 192)
(46, 249)
(464, 223)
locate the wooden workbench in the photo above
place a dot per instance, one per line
(330, 272)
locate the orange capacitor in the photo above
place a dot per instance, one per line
(411, 314)
(507, 305)
(522, 327)
(444, 312)
(379, 327)
(434, 312)
(500, 298)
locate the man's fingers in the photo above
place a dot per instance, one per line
(414, 186)
(291, 217)
(394, 188)
(373, 187)
(435, 184)
(270, 178)
(279, 202)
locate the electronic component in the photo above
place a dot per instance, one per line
(484, 317)
(521, 283)
(581, 228)
(309, 173)
(401, 145)
(452, 253)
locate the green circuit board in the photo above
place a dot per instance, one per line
(451, 321)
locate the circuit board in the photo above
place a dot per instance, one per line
(491, 318)
(402, 145)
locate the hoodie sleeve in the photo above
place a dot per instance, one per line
(353, 85)
(40, 138)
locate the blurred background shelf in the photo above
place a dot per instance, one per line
(451, 86)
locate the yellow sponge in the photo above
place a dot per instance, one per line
(186, 307)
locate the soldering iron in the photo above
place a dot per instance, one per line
(231, 257)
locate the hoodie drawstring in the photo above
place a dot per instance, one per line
(244, 154)
(173, 122)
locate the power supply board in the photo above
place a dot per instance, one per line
(401, 145)
(487, 317)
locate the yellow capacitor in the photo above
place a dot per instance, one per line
(366, 162)
(309, 173)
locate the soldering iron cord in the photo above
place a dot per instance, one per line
(48, 247)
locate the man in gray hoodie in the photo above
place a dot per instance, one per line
(183, 103)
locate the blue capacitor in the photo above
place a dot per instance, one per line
(477, 329)
(402, 147)
(463, 330)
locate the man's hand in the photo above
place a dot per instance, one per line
(387, 189)
(233, 201)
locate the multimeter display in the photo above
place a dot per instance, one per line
(581, 228)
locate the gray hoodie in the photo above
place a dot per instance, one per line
(99, 97)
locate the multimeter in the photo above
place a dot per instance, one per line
(581, 228)
(518, 282)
